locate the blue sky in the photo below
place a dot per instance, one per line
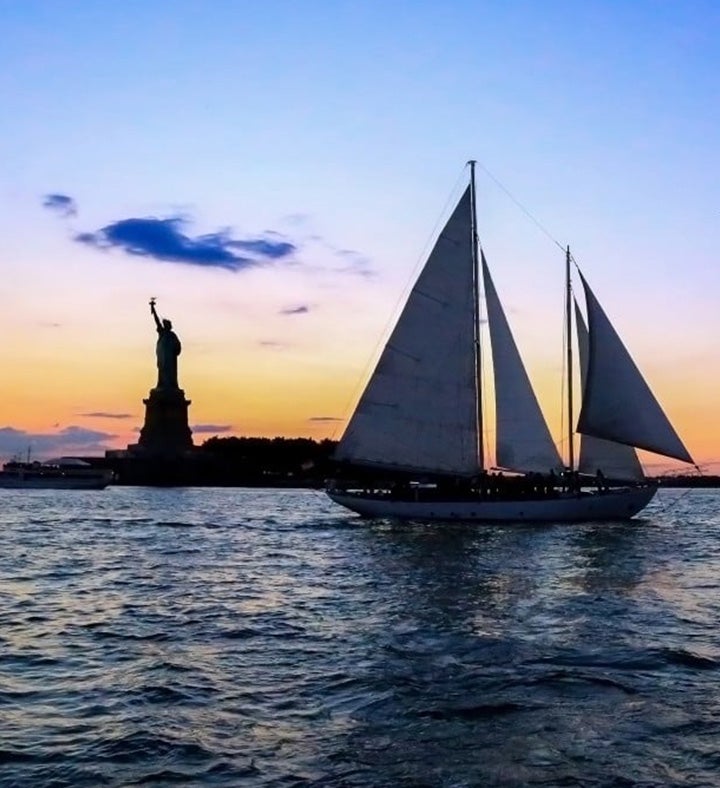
(342, 128)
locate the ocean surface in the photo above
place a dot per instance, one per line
(208, 637)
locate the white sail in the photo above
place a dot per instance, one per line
(616, 460)
(523, 440)
(419, 408)
(617, 403)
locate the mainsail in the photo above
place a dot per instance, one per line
(523, 440)
(616, 460)
(617, 403)
(419, 408)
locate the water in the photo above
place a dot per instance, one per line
(198, 637)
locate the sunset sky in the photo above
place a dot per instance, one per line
(274, 172)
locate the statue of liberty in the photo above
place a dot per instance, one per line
(167, 350)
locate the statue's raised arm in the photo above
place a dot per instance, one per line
(154, 313)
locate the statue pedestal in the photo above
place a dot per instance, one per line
(166, 432)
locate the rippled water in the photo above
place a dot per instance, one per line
(200, 637)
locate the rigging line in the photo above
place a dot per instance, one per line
(707, 465)
(675, 501)
(517, 202)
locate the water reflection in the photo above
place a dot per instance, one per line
(439, 576)
(612, 556)
(490, 636)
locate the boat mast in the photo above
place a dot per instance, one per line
(476, 316)
(568, 330)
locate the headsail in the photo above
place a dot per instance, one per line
(523, 440)
(419, 408)
(616, 460)
(617, 403)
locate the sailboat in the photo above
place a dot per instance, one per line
(413, 448)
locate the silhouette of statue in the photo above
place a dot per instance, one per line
(167, 350)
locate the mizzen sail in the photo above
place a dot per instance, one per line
(419, 408)
(616, 460)
(523, 440)
(617, 403)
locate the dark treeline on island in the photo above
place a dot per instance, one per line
(271, 459)
(232, 462)
(269, 462)
(686, 481)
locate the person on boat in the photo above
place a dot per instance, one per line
(600, 480)
(551, 486)
(167, 350)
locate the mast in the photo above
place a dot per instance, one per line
(568, 330)
(476, 316)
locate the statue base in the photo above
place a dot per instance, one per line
(166, 432)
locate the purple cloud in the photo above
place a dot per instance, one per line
(301, 309)
(265, 247)
(167, 241)
(99, 414)
(73, 440)
(60, 204)
(272, 343)
(214, 428)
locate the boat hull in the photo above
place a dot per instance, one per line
(614, 504)
(14, 482)
(51, 481)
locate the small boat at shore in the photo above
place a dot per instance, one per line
(65, 473)
(413, 447)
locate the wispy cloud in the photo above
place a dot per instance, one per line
(61, 204)
(167, 240)
(100, 414)
(347, 261)
(213, 428)
(324, 418)
(273, 343)
(296, 218)
(70, 440)
(300, 309)
(354, 262)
